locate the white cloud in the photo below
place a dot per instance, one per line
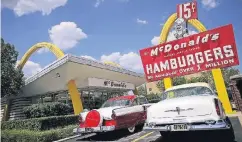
(141, 21)
(210, 3)
(66, 35)
(98, 2)
(89, 57)
(31, 68)
(42, 50)
(9, 3)
(155, 39)
(23, 7)
(131, 60)
(114, 57)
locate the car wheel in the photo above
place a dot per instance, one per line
(131, 129)
(165, 135)
(139, 127)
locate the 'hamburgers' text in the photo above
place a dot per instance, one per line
(218, 53)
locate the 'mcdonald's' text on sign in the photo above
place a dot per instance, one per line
(215, 48)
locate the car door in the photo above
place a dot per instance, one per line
(127, 119)
(132, 117)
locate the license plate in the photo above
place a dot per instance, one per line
(89, 129)
(180, 127)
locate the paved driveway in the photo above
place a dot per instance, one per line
(142, 136)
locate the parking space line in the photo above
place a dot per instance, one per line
(142, 137)
(73, 137)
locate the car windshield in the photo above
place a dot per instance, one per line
(189, 91)
(112, 103)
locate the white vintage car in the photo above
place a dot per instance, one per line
(188, 107)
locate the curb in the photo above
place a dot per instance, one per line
(72, 137)
(238, 115)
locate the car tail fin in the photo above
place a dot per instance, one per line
(217, 107)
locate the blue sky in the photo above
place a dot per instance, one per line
(102, 29)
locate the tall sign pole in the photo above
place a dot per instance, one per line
(184, 12)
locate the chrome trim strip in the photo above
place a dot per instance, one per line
(217, 126)
(96, 129)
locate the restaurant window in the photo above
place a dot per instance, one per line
(48, 98)
(62, 97)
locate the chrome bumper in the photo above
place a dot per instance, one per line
(93, 129)
(191, 127)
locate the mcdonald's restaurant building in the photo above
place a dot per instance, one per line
(95, 81)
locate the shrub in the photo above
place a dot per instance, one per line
(36, 136)
(39, 124)
(47, 109)
(152, 96)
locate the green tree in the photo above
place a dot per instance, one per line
(153, 97)
(141, 90)
(175, 81)
(208, 77)
(179, 80)
(228, 72)
(160, 85)
(11, 77)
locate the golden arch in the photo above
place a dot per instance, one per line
(75, 97)
(112, 64)
(217, 74)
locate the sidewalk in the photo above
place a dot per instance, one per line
(237, 114)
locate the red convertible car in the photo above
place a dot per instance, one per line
(124, 112)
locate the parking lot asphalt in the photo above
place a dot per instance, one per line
(142, 136)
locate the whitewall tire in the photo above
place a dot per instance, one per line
(131, 129)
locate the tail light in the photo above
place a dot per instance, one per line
(217, 107)
(109, 123)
